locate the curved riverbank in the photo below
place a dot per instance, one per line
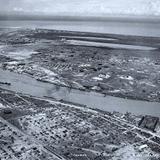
(24, 84)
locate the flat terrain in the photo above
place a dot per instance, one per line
(33, 128)
(123, 66)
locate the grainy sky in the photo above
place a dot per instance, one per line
(82, 7)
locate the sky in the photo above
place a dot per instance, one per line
(82, 7)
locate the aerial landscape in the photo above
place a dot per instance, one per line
(79, 94)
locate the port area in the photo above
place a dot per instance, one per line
(44, 128)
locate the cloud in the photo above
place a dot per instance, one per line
(82, 7)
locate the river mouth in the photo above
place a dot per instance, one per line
(27, 85)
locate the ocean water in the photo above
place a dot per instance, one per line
(140, 28)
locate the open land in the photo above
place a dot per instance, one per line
(45, 128)
(122, 66)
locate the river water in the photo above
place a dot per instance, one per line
(28, 85)
(24, 84)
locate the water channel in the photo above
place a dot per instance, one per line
(25, 84)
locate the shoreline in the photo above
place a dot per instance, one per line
(108, 70)
(49, 128)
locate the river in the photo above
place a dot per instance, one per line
(25, 84)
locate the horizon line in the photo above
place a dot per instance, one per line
(109, 17)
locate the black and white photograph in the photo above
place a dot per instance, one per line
(79, 79)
